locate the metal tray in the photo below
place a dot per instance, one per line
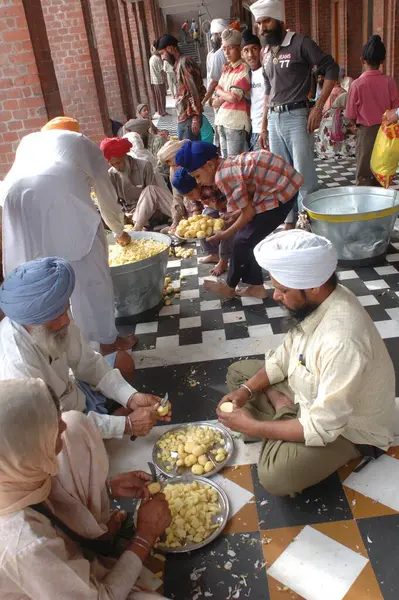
(229, 446)
(221, 518)
(182, 239)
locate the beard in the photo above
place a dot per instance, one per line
(296, 316)
(275, 37)
(216, 43)
(171, 59)
(54, 342)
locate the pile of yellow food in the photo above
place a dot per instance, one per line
(189, 448)
(169, 291)
(193, 507)
(180, 252)
(200, 227)
(135, 251)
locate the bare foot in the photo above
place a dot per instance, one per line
(222, 289)
(253, 291)
(211, 258)
(289, 226)
(121, 343)
(278, 400)
(220, 268)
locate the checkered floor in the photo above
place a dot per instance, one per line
(335, 541)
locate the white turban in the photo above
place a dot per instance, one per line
(169, 150)
(218, 25)
(231, 37)
(297, 259)
(274, 9)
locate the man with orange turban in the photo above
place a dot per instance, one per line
(135, 184)
(47, 211)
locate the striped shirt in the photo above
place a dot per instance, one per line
(262, 178)
(236, 79)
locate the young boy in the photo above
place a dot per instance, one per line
(215, 207)
(370, 96)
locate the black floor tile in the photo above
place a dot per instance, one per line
(191, 335)
(387, 299)
(212, 320)
(357, 286)
(236, 331)
(168, 325)
(321, 503)
(203, 572)
(190, 308)
(190, 282)
(280, 324)
(232, 305)
(256, 315)
(380, 536)
(377, 313)
(146, 341)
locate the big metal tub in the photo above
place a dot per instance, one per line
(357, 220)
(138, 286)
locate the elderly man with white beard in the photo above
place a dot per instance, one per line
(37, 339)
(135, 183)
(326, 395)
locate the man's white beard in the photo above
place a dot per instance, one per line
(55, 343)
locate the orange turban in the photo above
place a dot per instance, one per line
(66, 123)
(115, 147)
(235, 25)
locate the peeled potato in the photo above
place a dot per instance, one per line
(208, 466)
(220, 457)
(202, 460)
(209, 232)
(163, 410)
(226, 407)
(188, 447)
(201, 235)
(197, 469)
(154, 488)
(198, 450)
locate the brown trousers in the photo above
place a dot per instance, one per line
(160, 98)
(365, 139)
(286, 468)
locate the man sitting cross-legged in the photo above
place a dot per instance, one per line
(327, 394)
(37, 339)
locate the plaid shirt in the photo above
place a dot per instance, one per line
(262, 178)
(190, 89)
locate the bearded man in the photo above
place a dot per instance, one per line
(327, 394)
(38, 339)
(288, 62)
(135, 183)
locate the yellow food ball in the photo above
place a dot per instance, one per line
(226, 407)
(168, 280)
(202, 460)
(162, 410)
(197, 470)
(183, 223)
(210, 222)
(201, 235)
(220, 457)
(187, 235)
(209, 232)
(208, 466)
(154, 488)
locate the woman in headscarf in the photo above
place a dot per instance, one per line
(335, 137)
(55, 525)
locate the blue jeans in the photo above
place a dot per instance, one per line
(95, 401)
(184, 131)
(254, 142)
(232, 141)
(289, 138)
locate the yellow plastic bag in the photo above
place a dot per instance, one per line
(385, 157)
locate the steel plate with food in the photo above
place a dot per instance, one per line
(197, 448)
(200, 511)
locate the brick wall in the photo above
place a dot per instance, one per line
(22, 107)
(355, 39)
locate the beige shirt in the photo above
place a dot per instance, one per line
(156, 68)
(345, 382)
(129, 185)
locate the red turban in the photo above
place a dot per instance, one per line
(115, 147)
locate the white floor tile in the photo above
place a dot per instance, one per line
(190, 271)
(210, 305)
(174, 263)
(173, 309)
(392, 257)
(347, 275)
(376, 284)
(189, 294)
(234, 317)
(245, 454)
(396, 245)
(217, 336)
(379, 480)
(142, 328)
(333, 185)
(250, 301)
(260, 331)
(393, 313)
(276, 312)
(389, 270)
(188, 322)
(388, 329)
(238, 496)
(167, 341)
(368, 300)
(315, 566)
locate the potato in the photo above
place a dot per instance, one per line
(226, 407)
(187, 235)
(210, 222)
(183, 223)
(188, 447)
(163, 410)
(198, 450)
(201, 235)
(168, 280)
(209, 232)
(208, 466)
(154, 488)
(197, 469)
(179, 462)
(220, 457)
(202, 460)
(190, 460)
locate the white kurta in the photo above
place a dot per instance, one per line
(47, 211)
(21, 357)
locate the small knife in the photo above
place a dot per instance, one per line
(153, 471)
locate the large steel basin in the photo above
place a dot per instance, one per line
(357, 220)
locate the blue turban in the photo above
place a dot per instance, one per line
(37, 291)
(183, 181)
(194, 155)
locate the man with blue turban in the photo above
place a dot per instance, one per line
(261, 188)
(38, 339)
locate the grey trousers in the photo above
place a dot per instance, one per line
(232, 141)
(286, 468)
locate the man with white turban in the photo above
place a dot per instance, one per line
(38, 339)
(215, 58)
(48, 211)
(326, 395)
(288, 62)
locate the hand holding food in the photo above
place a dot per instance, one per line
(153, 517)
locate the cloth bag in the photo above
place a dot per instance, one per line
(385, 156)
(206, 131)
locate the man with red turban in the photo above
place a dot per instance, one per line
(47, 211)
(135, 184)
